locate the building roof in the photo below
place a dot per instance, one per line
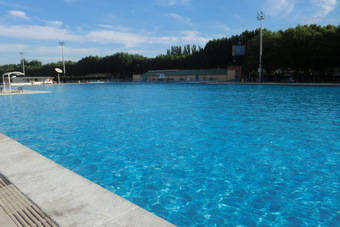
(178, 72)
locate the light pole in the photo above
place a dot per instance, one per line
(58, 72)
(260, 17)
(23, 62)
(3, 81)
(61, 43)
(9, 80)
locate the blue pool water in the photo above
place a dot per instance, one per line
(196, 155)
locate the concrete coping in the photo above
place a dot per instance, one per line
(22, 92)
(66, 197)
(272, 83)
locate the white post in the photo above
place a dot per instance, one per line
(9, 83)
(58, 79)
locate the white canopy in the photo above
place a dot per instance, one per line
(14, 73)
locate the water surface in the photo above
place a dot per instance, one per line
(196, 155)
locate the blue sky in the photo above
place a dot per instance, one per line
(148, 27)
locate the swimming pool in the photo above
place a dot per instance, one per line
(194, 154)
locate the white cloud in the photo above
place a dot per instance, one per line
(111, 36)
(127, 39)
(319, 10)
(181, 19)
(324, 7)
(194, 37)
(101, 36)
(48, 59)
(172, 2)
(134, 39)
(163, 40)
(16, 48)
(305, 11)
(37, 32)
(114, 27)
(67, 50)
(279, 7)
(55, 23)
(12, 48)
(20, 14)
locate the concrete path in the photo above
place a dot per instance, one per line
(23, 92)
(67, 198)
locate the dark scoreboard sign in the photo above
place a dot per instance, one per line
(239, 50)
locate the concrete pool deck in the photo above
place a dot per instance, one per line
(64, 196)
(23, 92)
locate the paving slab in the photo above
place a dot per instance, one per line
(66, 197)
(136, 217)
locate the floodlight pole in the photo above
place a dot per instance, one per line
(23, 62)
(260, 17)
(62, 54)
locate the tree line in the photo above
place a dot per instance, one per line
(306, 52)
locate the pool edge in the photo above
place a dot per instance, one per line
(79, 202)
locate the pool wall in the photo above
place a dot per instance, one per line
(66, 197)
